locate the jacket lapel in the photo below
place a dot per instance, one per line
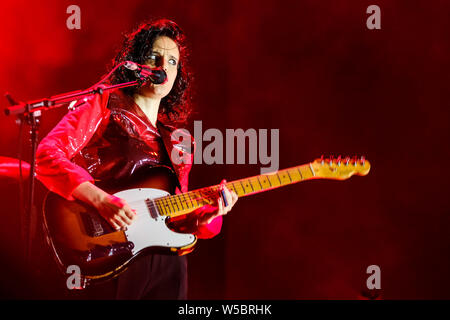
(180, 148)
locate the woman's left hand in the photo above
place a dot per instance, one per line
(208, 213)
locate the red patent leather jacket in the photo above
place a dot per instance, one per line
(58, 153)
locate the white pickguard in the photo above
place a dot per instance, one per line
(147, 231)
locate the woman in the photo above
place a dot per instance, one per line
(126, 133)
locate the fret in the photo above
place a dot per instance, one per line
(272, 180)
(250, 183)
(246, 183)
(195, 201)
(190, 199)
(209, 198)
(312, 170)
(243, 188)
(186, 200)
(256, 186)
(199, 198)
(257, 178)
(306, 172)
(301, 175)
(294, 174)
(161, 203)
(278, 176)
(232, 187)
(178, 201)
(286, 177)
(267, 180)
(287, 171)
(172, 200)
(170, 204)
(161, 208)
(158, 208)
(239, 193)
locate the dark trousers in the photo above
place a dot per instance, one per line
(153, 277)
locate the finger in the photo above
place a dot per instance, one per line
(220, 205)
(119, 203)
(114, 224)
(222, 192)
(223, 210)
(123, 216)
(234, 196)
(130, 213)
(223, 196)
(118, 220)
(228, 198)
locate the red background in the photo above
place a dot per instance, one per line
(314, 71)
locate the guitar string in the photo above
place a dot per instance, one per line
(142, 205)
(209, 191)
(147, 207)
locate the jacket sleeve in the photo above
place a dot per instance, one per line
(210, 230)
(54, 167)
(206, 231)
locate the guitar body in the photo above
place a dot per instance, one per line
(78, 235)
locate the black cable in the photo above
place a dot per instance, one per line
(21, 187)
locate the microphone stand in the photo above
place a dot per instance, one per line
(32, 111)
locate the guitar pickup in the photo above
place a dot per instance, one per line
(152, 208)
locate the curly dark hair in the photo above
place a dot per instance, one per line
(137, 46)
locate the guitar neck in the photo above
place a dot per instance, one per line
(180, 204)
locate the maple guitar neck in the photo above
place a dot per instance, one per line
(180, 204)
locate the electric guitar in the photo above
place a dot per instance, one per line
(78, 235)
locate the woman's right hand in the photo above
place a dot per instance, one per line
(113, 209)
(116, 211)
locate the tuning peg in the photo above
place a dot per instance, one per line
(347, 160)
(363, 160)
(331, 160)
(321, 160)
(355, 160)
(339, 160)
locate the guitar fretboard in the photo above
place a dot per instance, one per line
(180, 204)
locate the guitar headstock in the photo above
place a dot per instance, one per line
(340, 168)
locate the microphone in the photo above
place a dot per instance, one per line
(155, 75)
(10, 99)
